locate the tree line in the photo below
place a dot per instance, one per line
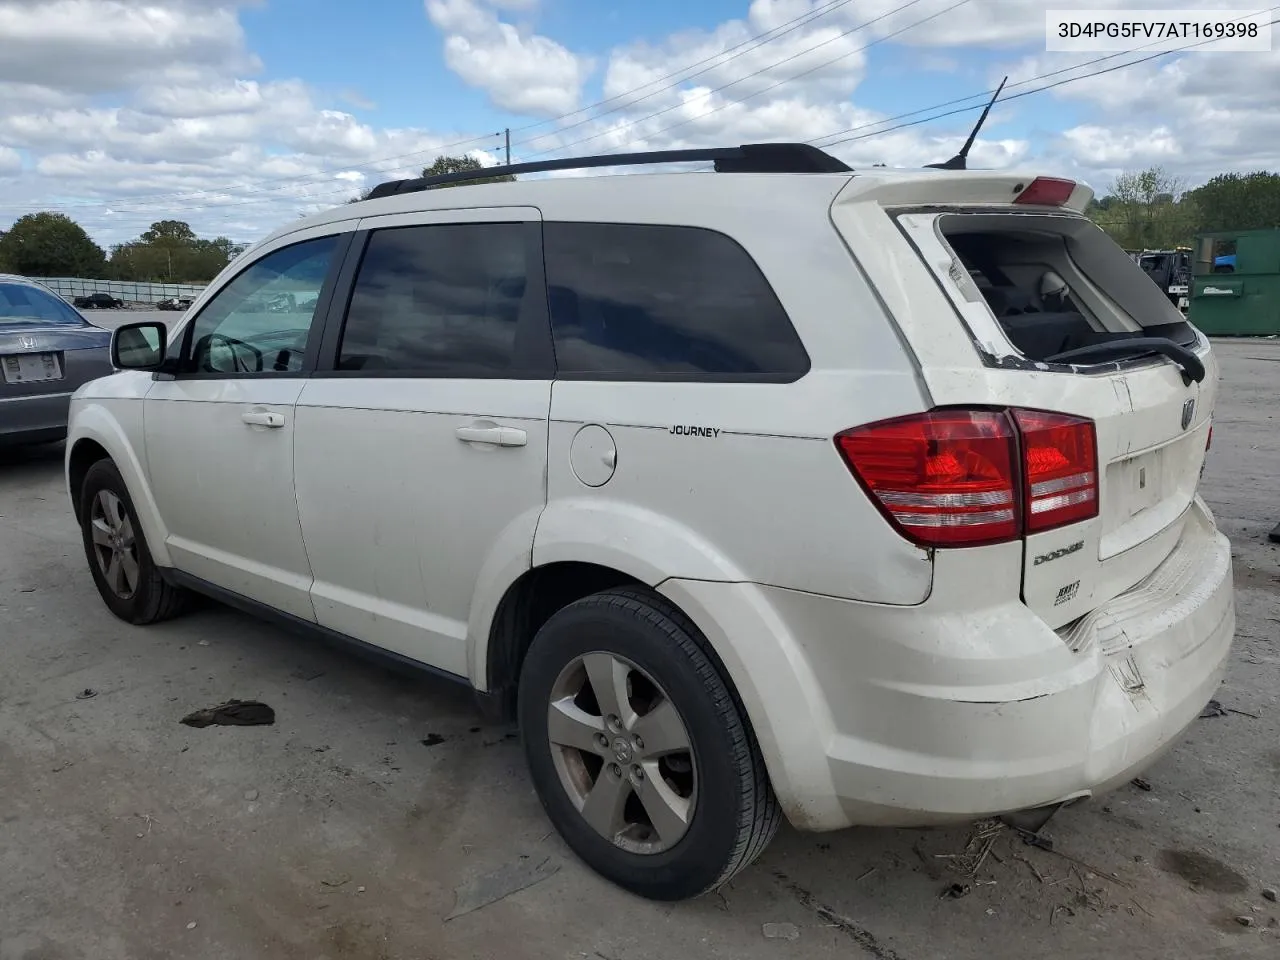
(1153, 210)
(50, 244)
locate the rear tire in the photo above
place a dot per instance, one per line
(701, 773)
(123, 570)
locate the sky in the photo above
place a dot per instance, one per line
(239, 115)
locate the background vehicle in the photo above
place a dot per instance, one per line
(99, 301)
(1171, 271)
(778, 491)
(47, 350)
(174, 303)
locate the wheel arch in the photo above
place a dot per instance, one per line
(528, 603)
(96, 435)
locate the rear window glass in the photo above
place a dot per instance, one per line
(21, 302)
(1056, 284)
(632, 301)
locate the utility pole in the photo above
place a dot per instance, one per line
(507, 131)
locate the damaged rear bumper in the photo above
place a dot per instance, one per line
(961, 707)
(1137, 671)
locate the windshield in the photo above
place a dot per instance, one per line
(20, 303)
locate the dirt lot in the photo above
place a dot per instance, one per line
(343, 830)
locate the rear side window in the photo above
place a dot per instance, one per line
(637, 302)
(438, 300)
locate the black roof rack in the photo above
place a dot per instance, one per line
(748, 158)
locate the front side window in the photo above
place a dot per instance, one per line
(636, 301)
(22, 303)
(439, 300)
(260, 321)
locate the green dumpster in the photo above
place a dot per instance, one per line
(1235, 283)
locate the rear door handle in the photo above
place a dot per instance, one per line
(263, 418)
(498, 436)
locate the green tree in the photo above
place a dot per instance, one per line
(443, 165)
(50, 245)
(1146, 210)
(446, 164)
(170, 251)
(1233, 201)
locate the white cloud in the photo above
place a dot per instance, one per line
(521, 71)
(98, 46)
(10, 161)
(120, 112)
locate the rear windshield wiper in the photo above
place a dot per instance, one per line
(1192, 368)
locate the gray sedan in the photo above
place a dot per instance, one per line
(47, 350)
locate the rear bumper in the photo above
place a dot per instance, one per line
(34, 419)
(956, 709)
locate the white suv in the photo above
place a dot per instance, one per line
(778, 490)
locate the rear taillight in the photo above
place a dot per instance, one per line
(973, 477)
(1047, 192)
(944, 478)
(1060, 469)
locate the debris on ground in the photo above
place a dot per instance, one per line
(1213, 709)
(233, 713)
(501, 883)
(954, 891)
(981, 842)
(1245, 921)
(1141, 783)
(432, 740)
(780, 931)
(336, 881)
(192, 925)
(1039, 841)
(251, 795)
(88, 693)
(1243, 713)
(1269, 893)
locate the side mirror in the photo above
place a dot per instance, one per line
(138, 346)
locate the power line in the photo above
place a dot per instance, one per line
(775, 84)
(755, 73)
(1016, 96)
(631, 103)
(842, 140)
(929, 119)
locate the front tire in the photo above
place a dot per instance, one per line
(123, 571)
(639, 750)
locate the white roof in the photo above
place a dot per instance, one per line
(691, 198)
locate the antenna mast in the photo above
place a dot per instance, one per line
(960, 160)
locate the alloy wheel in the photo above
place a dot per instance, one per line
(115, 546)
(623, 753)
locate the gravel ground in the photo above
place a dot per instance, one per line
(343, 830)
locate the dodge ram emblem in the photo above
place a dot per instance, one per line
(1188, 411)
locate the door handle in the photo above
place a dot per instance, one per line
(498, 436)
(263, 418)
